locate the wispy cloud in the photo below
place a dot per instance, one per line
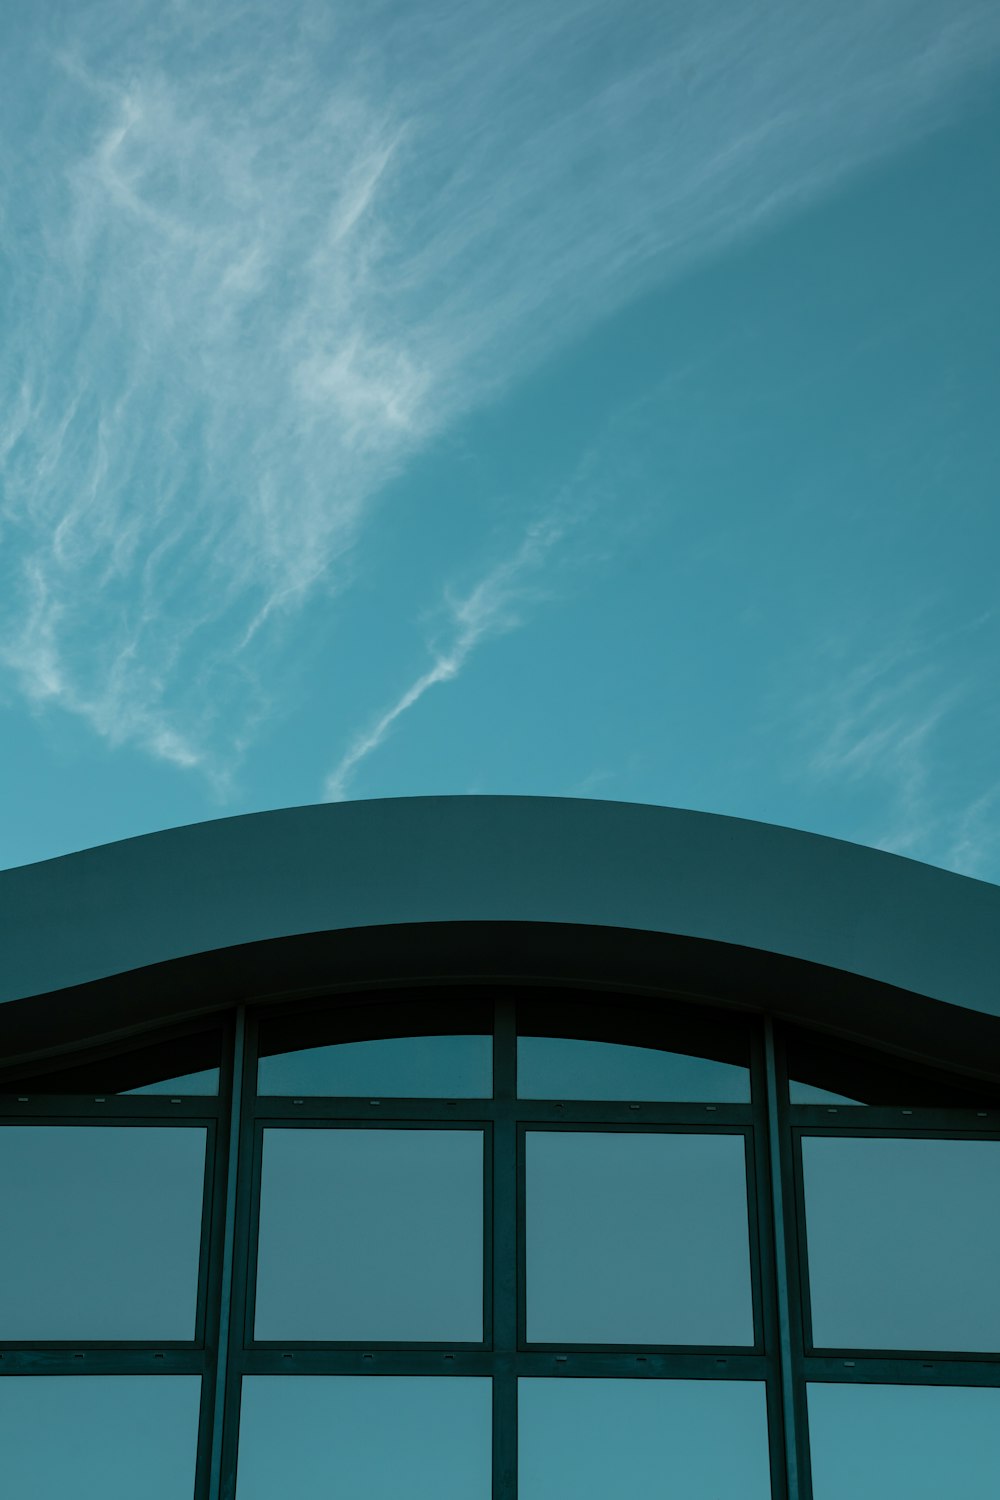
(491, 607)
(972, 845)
(258, 256)
(883, 729)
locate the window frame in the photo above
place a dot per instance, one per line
(773, 1128)
(148, 1358)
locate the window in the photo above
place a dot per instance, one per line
(373, 1234)
(591, 1439)
(102, 1232)
(902, 1234)
(185, 1063)
(579, 1049)
(117, 1436)
(422, 1048)
(515, 1242)
(637, 1238)
(348, 1435)
(924, 1442)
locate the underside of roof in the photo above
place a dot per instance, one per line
(127, 937)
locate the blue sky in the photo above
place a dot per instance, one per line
(574, 399)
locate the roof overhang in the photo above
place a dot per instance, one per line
(124, 936)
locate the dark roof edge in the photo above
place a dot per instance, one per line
(68, 922)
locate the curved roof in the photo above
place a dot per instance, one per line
(336, 869)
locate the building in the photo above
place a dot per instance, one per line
(471, 1147)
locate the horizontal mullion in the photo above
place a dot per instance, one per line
(480, 1362)
(441, 1111)
(86, 1109)
(259, 1361)
(101, 1346)
(865, 1117)
(367, 1347)
(597, 1363)
(102, 1361)
(527, 1111)
(637, 1350)
(906, 1356)
(879, 1369)
(599, 1112)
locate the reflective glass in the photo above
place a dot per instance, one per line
(827, 1070)
(551, 1067)
(871, 1442)
(206, 1082)
(402, 1067)
(377, 1437)
(637, 1238)
(176, 1065)
(809, 1093)
(593, 1439)
(101, 1231)
(371, 1235)
(110, 1436)
(902, 1240)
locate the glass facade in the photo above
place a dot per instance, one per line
(590, 1439)
(117, 1436)
(372, 1234)
(111, 1249)
(635, 1238)
(423, 1436)
(509, 1244)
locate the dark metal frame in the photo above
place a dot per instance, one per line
(481, 1127)
(506, 1356)
(198, 1356)
(847, 1366)
(224, 1349)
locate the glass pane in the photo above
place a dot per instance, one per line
(637, 1239)
(564, 1068)
(586, 1046)
(902, 1241)
(101, 1231)
(922, 1442)
(190, 1083)
(826, 1070)
(406, 1067)
(381, 1438)
(371, 1235)
(425, 1046)
(593, 1439)
(178, 1065)
(113, 1436)
(807, 1093)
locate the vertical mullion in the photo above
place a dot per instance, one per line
(798, 1483)
(505, 1250)
(229, 1231)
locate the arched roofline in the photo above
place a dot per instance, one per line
(127, 936)
(520, 955)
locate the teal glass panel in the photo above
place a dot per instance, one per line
(205, 1082)
(365, 1438)
(101, 1231)
(689, 1439)
(401, 1067)
(637, 1238)
(902, 1237)
(810, 1093)
(110, 1437)
(827, 1070)
(187, 1064)
(371, 1235)
(552, 1067)
(872, 1442)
